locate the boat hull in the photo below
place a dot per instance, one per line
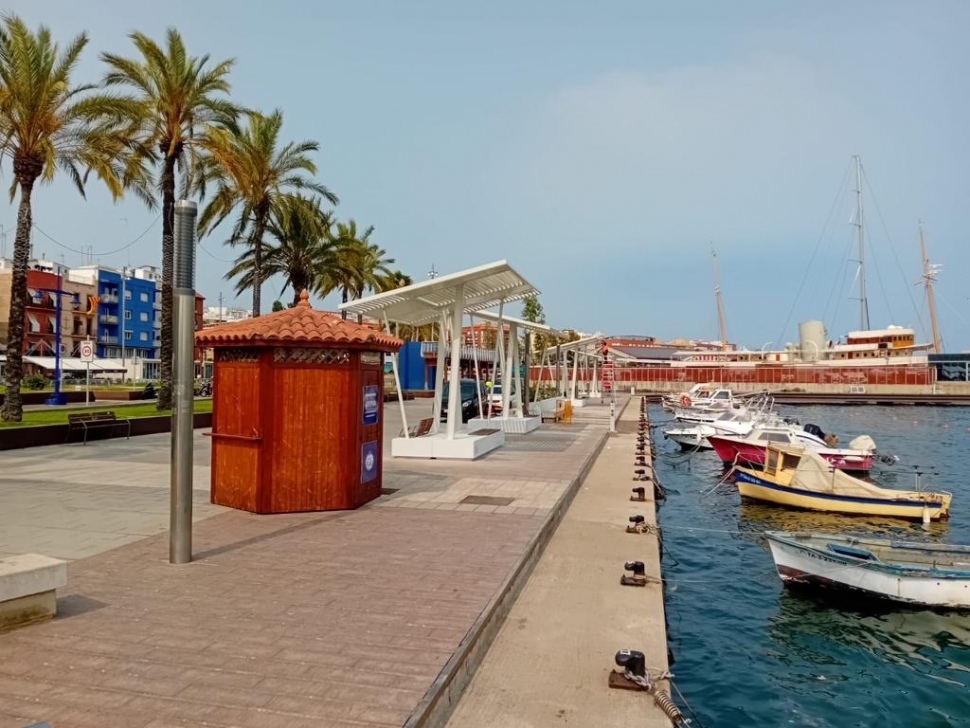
(750, 453)
(796, 564)
(756, 488)
(689, 439)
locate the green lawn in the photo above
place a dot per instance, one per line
(69, 387)
(59, 416)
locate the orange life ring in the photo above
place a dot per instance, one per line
(685, 401)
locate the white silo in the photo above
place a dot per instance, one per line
(811, 339)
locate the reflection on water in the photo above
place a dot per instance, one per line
(750, 652)
(814, 626)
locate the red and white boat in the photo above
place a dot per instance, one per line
(750, 449)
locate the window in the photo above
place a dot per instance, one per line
(128, 294)
(143, 336)
(143, 297)
(34, 323)
(127, 315)
(127, 335)
(143, 316)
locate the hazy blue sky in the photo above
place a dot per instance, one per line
(600, 147)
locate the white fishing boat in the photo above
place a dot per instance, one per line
(926, 574)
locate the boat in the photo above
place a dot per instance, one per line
(705, 401)
(750, 449)
(923, 574)
(694, 427)
(694, 436)
(801, 478)
(686, 399)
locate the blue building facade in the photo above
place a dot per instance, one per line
(126, 316)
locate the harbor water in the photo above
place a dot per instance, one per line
(748, 652)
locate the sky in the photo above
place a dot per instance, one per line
(603, 149)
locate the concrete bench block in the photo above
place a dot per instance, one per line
(28, 585)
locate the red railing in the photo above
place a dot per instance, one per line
(763, 374)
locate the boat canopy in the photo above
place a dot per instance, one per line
(810, 471)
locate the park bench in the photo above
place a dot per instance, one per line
(422, 428)
(88, 421)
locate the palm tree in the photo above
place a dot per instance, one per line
(252, 172)
(304, 251)
(394, 279)
(175, 99)
(48, 124)
(363, 264)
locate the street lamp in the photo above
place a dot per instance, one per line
(57, 397)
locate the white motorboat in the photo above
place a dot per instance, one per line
(750, 449)
(924, 574)
(693, 436)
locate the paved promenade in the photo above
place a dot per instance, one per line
(548, 666)
(318, 619)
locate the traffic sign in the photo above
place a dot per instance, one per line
(87, 350)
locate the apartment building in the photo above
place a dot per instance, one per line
(78, 308)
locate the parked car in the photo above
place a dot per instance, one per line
(496, 398)
(472, 393)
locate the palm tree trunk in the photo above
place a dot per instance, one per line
(343, 299)
(13, 410)
(168, 262)
(259, 227)
(299, 284)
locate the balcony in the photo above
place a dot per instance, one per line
(157, 305)
(107, 318)
(105, 339)
(109, 298)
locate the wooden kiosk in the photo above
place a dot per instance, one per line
(297, 412)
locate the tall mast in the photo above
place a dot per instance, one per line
(863, 301)
(929, 275)
(717, 298)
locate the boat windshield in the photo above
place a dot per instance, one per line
(774, 436)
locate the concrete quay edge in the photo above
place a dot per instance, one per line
(436, 707)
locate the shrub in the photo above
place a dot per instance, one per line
(35, 381)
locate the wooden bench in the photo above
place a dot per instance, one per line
(422, 428)
(88, 421)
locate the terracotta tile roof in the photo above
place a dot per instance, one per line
(301, 324)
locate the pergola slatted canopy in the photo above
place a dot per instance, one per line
(519, 323)
(480, 288)
(446, 300)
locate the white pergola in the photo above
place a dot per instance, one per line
(513, 418)
(445, 299)
(585, 349)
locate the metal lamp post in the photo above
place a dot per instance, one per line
(183, 369)
(57, 397)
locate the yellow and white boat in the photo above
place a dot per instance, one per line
(800, 478)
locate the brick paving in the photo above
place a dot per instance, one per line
(281, 621)
(319, 619)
